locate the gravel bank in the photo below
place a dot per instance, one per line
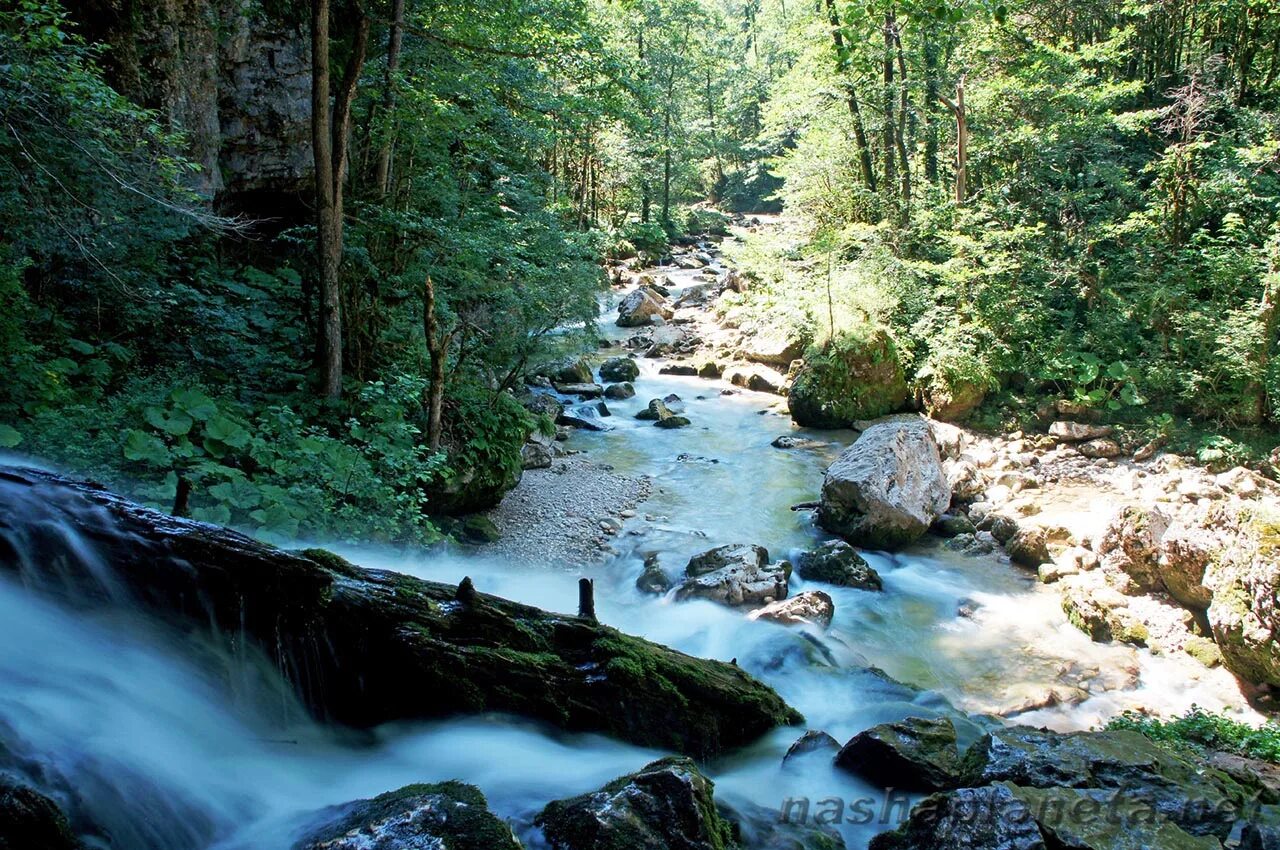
(566, 514)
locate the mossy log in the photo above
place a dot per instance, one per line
(365, 647)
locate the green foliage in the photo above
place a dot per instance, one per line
(1201, 728)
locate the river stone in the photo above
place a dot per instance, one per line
(855, 379)
(836, 562)
(887, 488)
(586, 390)
(654, 579)
(737, 574)
(1101, 447)
(535, 455)
(666, 804)
(687, 370)
(569, 370)
(31, 821)
(617, 392)
(619, 370)
(1097, 819)
(953, 525)
(787, 441)
(1262, 832)
(585, 417)
(1074, 432)
(1029, 547)
(775, 346)
(990, 818)
(543, 404)
(760, 828)
(916, 754)
(640, 308)
(443, 815)
(673, 422)
(811, 608)
(1115, 760)
(813, 741)
(655, 412)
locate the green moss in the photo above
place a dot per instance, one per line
(1200, 728)
(330, 561)
(855, 377)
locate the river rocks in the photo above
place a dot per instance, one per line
(789, 442)
(543, 404)
(687, 370)
(1131, 545)
(666, 804)
(1100, 448)
(757, 378)
(586, 390)
(1114, 760)
(1029, 547)
(641, 307)
(811, 608)
(617, 392)
(1075, 432)
(736, 575)
(761, 828)
(673, 422)
(446, 814)
(916, 754)
(536, 454)
(619, 370)
(568, 370)
(1100, 611)
(836, 562)
(479, 529)
(586, 417)
(854, 379)
(661, 415)
(887, 488)
(948, 399)
(369, 647)
(812, 742)
(979, 818)
(775, 346)
(31, 821)
(964, 479)
(1244, 577)
(654, 578)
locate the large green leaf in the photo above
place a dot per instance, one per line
(173, 422)
(226, 430)
(195, 403)
(9, 436)
(147, 448)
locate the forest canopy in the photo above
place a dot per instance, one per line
(1018, 201)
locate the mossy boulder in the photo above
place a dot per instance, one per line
(666, 805)
(367, 647)
(618, 370)
(444, 814)
(855, 378)
(948, 398)
(1113, 760)
(1244, 575)
(916, 754)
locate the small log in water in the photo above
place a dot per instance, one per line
(587, 599)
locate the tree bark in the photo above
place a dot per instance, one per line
(330, 131)
(382, 169)
(962, 139)
(438, 354)
(851, 100)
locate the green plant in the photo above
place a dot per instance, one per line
(1201, 728)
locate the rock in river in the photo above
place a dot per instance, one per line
(619, 369)
(666, 805)
(444, 815)
(888, 487)
(836, 562)
(736, 574)
(811, 608)
(916, 754)
(641, 306)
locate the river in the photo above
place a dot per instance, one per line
(168, 756)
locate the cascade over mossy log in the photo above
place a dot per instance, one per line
(365, 647)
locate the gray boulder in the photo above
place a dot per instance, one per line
(641, 307)
(811, 608)
(888, 487)
(916, 754)
(617, 392)
(736, 575)
(619, 369)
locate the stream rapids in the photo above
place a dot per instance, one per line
(177, 747)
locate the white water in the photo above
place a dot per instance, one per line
(164, 756)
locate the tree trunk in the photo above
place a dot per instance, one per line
(438, 353)
(962, 139)
(889, 142)
(328, 232)
(851, 100)
(382, 170)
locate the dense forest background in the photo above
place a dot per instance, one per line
(288, 265)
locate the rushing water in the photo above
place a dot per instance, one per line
(164, 755)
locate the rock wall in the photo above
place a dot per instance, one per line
(234, 75)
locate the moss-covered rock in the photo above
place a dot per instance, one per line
(366, 647)
(444, 814)
(1244, 576)
(855, 378)
(667, 805)
(1200, 800)
(836, 562)
(916, 754)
